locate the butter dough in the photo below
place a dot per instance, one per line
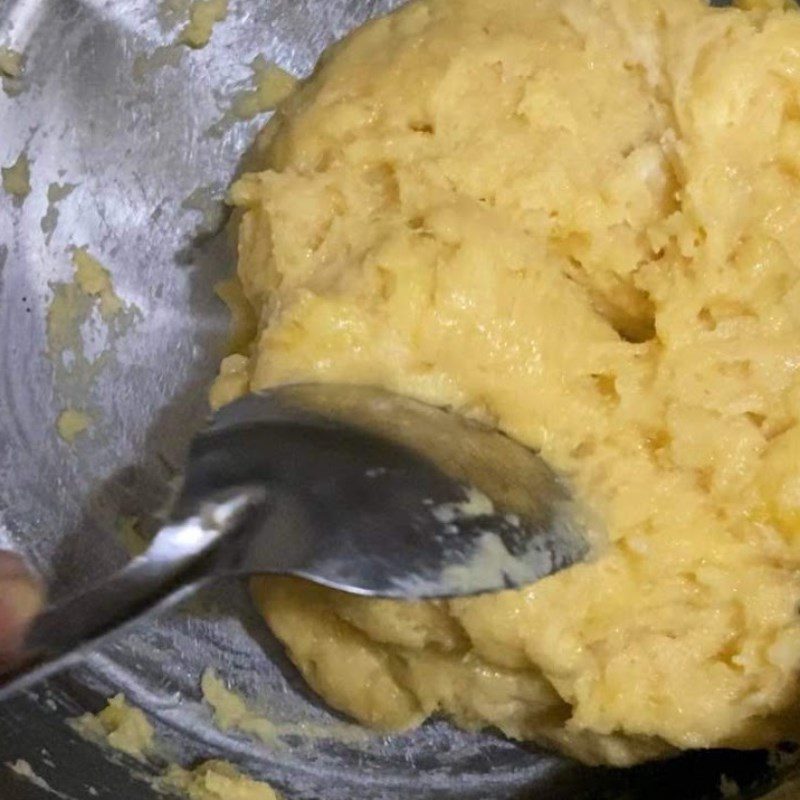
(578, 220)
(121, 726)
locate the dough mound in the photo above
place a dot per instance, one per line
(579, 220)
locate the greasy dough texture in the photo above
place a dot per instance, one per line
(580, 220)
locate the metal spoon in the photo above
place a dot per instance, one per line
(351, 487)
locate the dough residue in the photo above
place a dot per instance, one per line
(10, 62)
(17, 178)
(11, 71)
(217, 780)
(233, 712)
(270, 86)
(71, 423)
(203, 15)
(121, 726)
(580, 217)
(127, 729)
(476, 504)
(94, 280)
(84, 317)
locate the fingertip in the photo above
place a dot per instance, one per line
(21, 599)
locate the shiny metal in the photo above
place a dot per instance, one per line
(351, 487)
(135, 147)
(376, 494)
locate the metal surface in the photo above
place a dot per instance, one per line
(138, 141)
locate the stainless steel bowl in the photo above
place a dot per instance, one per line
(136, 130)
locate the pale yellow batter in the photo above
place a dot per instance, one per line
(579, 219)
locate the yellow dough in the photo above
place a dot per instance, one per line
(579, 220)
(121, 725)
(216, 780)
(126, 728)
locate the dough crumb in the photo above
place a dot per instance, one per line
(232, 381)
(272, 85)
(231, 711)
(203, 15)
(196, 33)
(72, 423)
(217, 780)
(11, 71)
(95, 280)
(119, 724)
(17, 178)
(10, 63)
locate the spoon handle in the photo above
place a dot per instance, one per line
(162, 576)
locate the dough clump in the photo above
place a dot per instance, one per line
(578, 220)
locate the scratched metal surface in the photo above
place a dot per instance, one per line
(134, 140)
